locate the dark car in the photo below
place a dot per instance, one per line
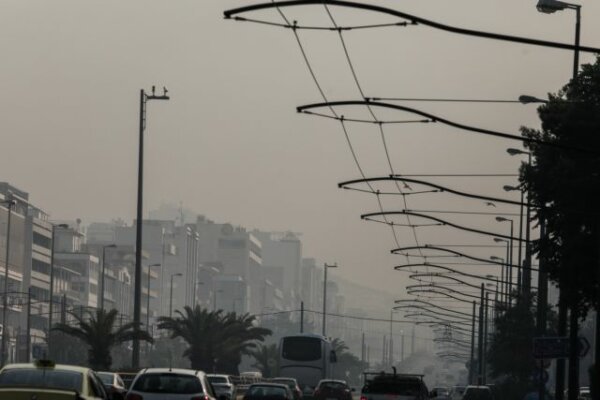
(394, 386)
(292, 383)
(113, 384)
(331, 389)
(268, 391)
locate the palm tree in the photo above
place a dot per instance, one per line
(240, 337)
(339, 346)
(99, 334)
(200, 329)
(214, 340)
(266, 359)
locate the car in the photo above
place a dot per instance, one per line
(386, 386)
(478, 393)
(268, 391)
(292, 383)
(47, 380)
(222, 385)
(585, 393)
(127, 377)
(113, 384)
(457, 392)
(332, 389)
(170, 384)
(440, 393)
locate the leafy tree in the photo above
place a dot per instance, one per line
(100, 334)
(215, 340)
(339, 346)
(565, 185)
(266, 359)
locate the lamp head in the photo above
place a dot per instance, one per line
(508, 188)
(514, 152)
(550, 6)
(527, 99)
(501, 219)
(498, 240)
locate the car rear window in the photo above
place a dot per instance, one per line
(168, 383)
(42, 378)
(107, 379)
(217, 379)
(288, 382)
(478, 394)
(401, 387)
(332, 385)
(266, 391)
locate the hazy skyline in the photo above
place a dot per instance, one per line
(229, 143)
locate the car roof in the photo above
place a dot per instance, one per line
(270, 384)
(180, 371)
(332, 380)
(217, 376)
(61, 367)
(283, 378)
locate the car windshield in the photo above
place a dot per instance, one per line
(401, 387)
(42, 378)
(217, 379)
(168, 383)
(106, 378)
(266, 391)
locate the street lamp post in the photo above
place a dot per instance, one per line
(148, 295)
(549, 7)
(137, 298)
(508, 277)
(503, 278)
(103, 273)
(171, 295)
(9, 204)
(325, 268)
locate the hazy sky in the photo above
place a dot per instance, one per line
(229, 143)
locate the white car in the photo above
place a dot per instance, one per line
(171, 384)
(222, 385)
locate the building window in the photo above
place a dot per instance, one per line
(41, 240)
(40, 266)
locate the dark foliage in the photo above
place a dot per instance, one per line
(565, 187)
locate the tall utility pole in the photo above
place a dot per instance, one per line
(9, 204)
(472, 361)
(137, 298)
(549, 7)
(325, 267)
(480, 348)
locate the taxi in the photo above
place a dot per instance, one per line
(44, 380)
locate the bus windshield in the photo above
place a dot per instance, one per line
(298, 348)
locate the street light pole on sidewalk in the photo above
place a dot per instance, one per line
(137, 298)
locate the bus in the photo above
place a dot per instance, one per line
(306, 357)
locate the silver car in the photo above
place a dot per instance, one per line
(170, 384)
(222, 385)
